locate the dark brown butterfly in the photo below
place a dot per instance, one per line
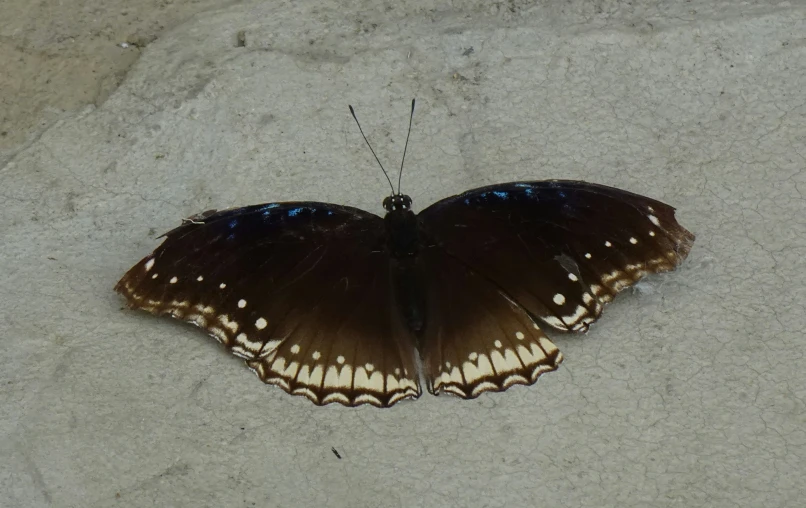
(341, 305)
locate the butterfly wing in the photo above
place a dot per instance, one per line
(556, 251)
(300, 291)
(476, 338)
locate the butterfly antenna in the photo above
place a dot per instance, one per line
(400, 174)
(371, 150)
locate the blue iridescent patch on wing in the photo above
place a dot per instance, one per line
(267, 210)
(501, 194)
(233, 223)
(294, 212)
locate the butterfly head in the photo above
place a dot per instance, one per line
(397, 202)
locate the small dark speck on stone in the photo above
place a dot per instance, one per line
(152, 232)
(240, 39)
(141, 40)
(468, 51)
(336, 453)
(4, 133)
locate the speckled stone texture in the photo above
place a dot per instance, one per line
(688, 392)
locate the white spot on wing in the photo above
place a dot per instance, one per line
(346, 377)
(332, 378)
(588, 255)
(572, 277)
(222, 285)
(531, 355)
(295, 349)
(219, 334)
(473, 356)
(553, 321)
(614, 275)
(654, 220)
(340, 360)
(391, 383)
(173, 280)
(651, 233)
(485, 367)
(241, 304)
(316, 355)
(253, 347)
(559, 299)
(149, 264)
(497, 344)
(506, 362)
(471, 372)
(260, 323)
(578, 313)
(316, 376)
(230, 325)
(519, 335)
(155, 276)
(373, 382)
(304, 374)
(633, 240)
(608, 244)
(200, 278)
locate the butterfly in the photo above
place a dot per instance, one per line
(341, 305)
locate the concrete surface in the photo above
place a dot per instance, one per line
(689, 392)
(57, 57)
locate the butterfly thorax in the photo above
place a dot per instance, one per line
(401, 233)
(401, 226)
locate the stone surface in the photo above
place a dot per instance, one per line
(689, 392)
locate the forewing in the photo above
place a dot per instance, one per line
(560, 249)
(301, 291)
